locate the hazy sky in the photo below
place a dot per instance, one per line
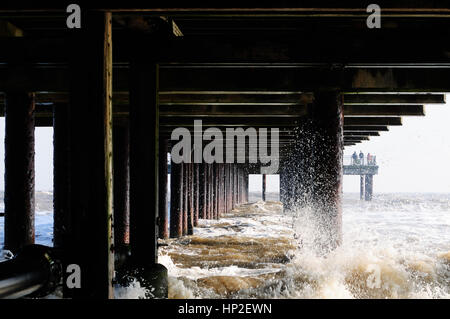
(412, 158)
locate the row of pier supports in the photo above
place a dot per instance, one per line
(202, 191)
(111, 176)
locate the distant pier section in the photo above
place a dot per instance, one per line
(365, 167)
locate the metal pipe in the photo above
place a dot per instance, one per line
(34, 271)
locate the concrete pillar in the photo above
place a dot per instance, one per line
(176, 200)
(121, 153)
(163, 220)
(19, 170)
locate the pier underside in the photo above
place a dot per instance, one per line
(116, 89)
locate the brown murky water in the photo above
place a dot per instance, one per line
(252, 252)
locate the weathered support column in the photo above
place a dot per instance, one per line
(196, 193)
(228, 187)
(361, 187)
(203, 190)
(121, 151)
(185, 198)
(246, 186)
(210, 190)
(190, 182)
(163, 219)
(369, 187)
(19, 170)
(216, 190)
(176, 200)
(207, 191)
(91, 173)
(144, 130)
(283, 184)
(144, 168)
(61, 176)
(264, 187)
(325, 165)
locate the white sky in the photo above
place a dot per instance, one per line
(413, 157)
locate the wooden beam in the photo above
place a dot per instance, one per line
(198, 111)
(356, 138)
(231, 122)
(372, 121)
(234, 98)
(374, 128)
(56, 79)
(401, 99)
(384, 110)
(361, 134)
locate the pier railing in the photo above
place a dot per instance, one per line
(365, 161)
(364, 166)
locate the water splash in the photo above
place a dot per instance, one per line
(374, 261)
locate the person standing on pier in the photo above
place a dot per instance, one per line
(354, 158)
(361, 158)
(369, 159)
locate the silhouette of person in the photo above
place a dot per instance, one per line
(361, 157)
(354, 158)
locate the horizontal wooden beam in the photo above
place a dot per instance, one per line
(198, 111)
(393, 99)
(356, 138)
(373, 128)
(56, 79)
(372, 121)
(234, 98)
(361, 134)
(384, 110)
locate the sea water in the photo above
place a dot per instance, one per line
(396, 246)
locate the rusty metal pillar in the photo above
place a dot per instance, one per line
(202, 191)
(246, 186)
(326, 166)
(176, 200)
(19, 170)
(196, 193)
(369, 187)
(216, 190)
(207, 191)
(227, 188)
(90, 235)
(210, 192)
(190, 182)
(121, 153)
(61, 176)
(264, 180)
(163, 220)
(185, 198)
